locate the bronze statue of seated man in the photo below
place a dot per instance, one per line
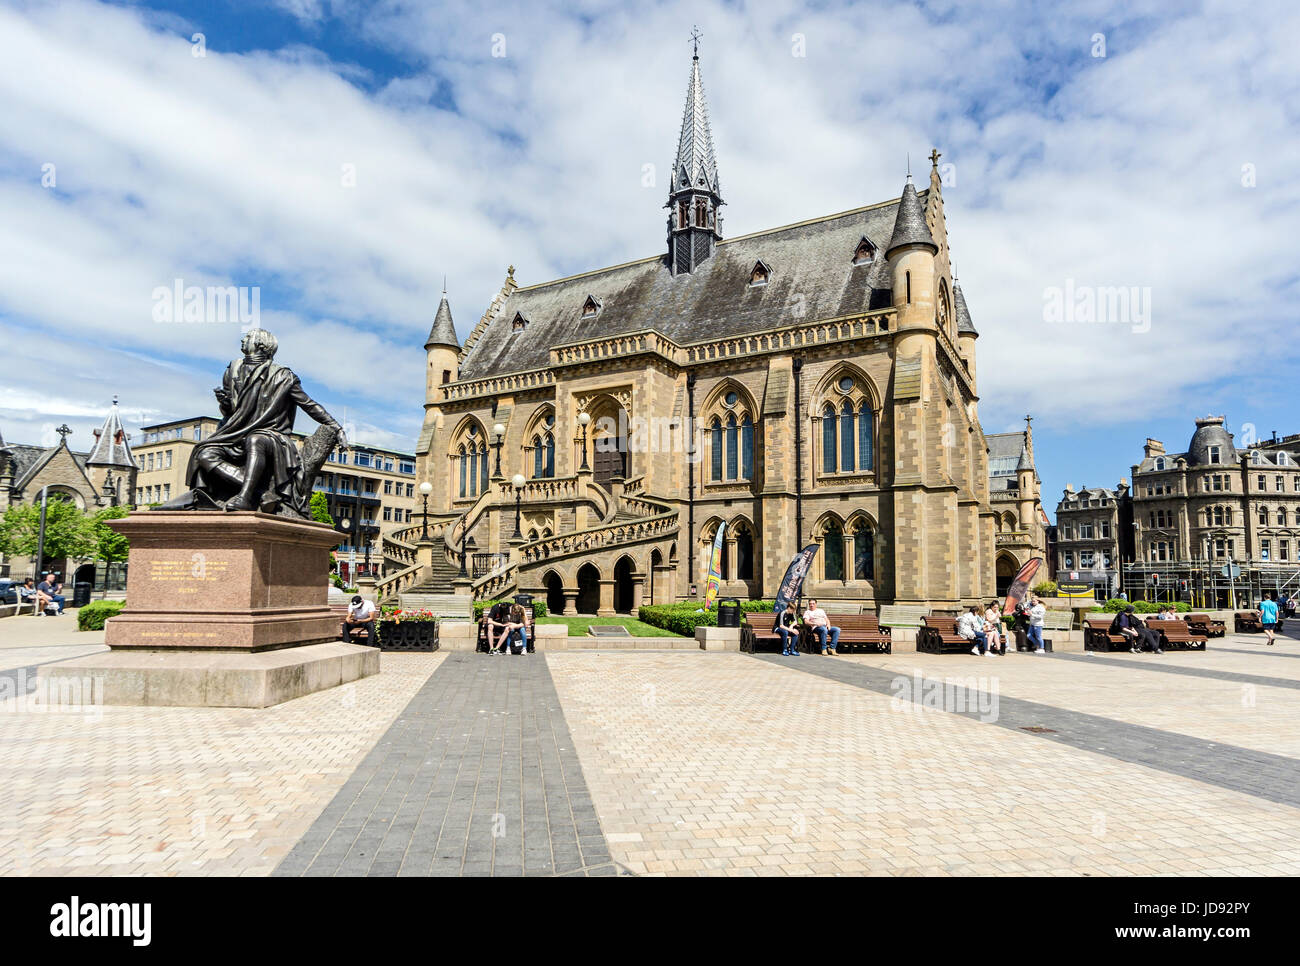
(251, 462)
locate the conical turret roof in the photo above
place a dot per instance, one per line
(695, 165)
(964, 324)
(443, 331)
(111, 443)
(910, 227)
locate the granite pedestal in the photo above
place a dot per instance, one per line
(223, 610)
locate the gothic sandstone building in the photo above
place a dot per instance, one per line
(828, 366)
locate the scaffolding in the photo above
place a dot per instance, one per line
(1202, 584)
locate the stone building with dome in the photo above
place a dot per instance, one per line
(1215, 504)
(810, 383)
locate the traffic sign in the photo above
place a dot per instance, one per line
(1230, 570)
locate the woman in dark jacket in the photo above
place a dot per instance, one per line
(787, 626)
(1135, 631)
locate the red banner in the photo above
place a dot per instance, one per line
(1021, 584)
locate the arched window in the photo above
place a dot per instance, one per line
(744, 553)
(732, 468)
(1227, 516)
(864, 554)
(747, 447)
(473, 471)
(482, 468)
(549, 443)
(833, 547)
(866, 443)
(539, 457)
(1281, 516)
(1263, 515)
(464, 466)
(828, 439)
(1218, 516)
(716, 452)
(848, 437)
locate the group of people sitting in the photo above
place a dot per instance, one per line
(984, 628)
(815, 619)
(46, 596)
(506, 625)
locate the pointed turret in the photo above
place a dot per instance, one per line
(111, 443)
(694, 195)
(443, 331)
(964, 325)
(909, 226)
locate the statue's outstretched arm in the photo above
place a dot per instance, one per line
(315, 410)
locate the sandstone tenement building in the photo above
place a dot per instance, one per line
(814, 382)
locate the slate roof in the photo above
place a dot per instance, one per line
(964, 324)
(1007, 454)
(695, 165)
(30, 460)
(112, 446)
(910, 227)
(443, 331)
(811, 267)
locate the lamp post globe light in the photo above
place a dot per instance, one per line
(583, 419)
(499, 431)
(425, 489)
(518, 482)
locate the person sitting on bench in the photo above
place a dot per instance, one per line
(495, 621)
(970, 625)
(787, 625)
(361, 616)
(516, 631)
(49, 589)
(27, 595)
(816, 618)
(1137, 633)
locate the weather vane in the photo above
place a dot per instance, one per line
(695, 40)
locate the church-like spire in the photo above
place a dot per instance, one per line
(443, 331)
(909, 226)
(111, 443)
(694, 194)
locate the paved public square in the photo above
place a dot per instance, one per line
(592, 762)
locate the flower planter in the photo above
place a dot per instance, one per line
(411, 635)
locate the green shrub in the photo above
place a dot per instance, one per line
(1116, 604)
(1045, 588)
(539, 607)
(92, 616)
(684, 616)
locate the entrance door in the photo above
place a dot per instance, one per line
(607, 465)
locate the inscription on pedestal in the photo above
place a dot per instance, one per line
(184, 576)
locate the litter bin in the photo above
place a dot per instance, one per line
(81, 594)
(523, 600)
(729, 612)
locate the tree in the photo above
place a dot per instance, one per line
(110, 546)
(68, 532)
(320, 509)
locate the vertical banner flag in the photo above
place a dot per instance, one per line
(792, 582)
(715, 569)
(1021, 584)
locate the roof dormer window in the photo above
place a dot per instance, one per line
(519, 322)
(590, 308)
(1160, 462)
(760, 273)
(865, 253)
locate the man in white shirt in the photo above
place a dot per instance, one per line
(1037, 613)
(361, 614)
(820, 625)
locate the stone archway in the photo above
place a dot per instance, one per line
(1006, 572)
(623, 585)
(608, 440)
(554, 592)
(656, 563)
(588, 601)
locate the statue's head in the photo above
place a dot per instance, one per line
(259, 342)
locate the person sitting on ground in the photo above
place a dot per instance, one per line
(816, 618)
(970, 625)
(49, 588)
(495, 621)
(1037, 614)
(1138, 634)
(516, 630)
(360, 616)
(1268, 617)
(993, 628)
(787, 625)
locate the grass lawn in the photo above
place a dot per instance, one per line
(578, 625)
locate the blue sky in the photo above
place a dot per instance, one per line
(1162, 157)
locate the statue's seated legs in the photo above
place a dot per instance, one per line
(259, 452)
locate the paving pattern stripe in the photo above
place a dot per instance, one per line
(477, 776)
(1274, 778)
(1262, 649)
(28, 672)
(1152, 662)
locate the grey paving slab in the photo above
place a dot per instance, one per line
(1153, 662)
(477, 776)
(1275, 778)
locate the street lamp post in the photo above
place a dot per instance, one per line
(518, 481)
(499, 431)
(583, 419)
(425, 489)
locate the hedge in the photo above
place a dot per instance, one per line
(92, 616)
(1116, 604)
(682, 618)
(539, 607)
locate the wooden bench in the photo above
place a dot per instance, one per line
(758, 633)
(1207, 625)
(1058, 620)
(1097, 635)
(1176, 635)
(456, 607)
(1247, 622)
(357, 633)
(858, 632)
(529, 633)
(938, 635)
(902, 615)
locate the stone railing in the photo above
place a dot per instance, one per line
(494, 584)
(616, 346)
(599, 538)
(1013, 537)
(506, 384)
(394, 584)
(794, 336)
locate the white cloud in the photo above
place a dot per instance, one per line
(228, 169)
